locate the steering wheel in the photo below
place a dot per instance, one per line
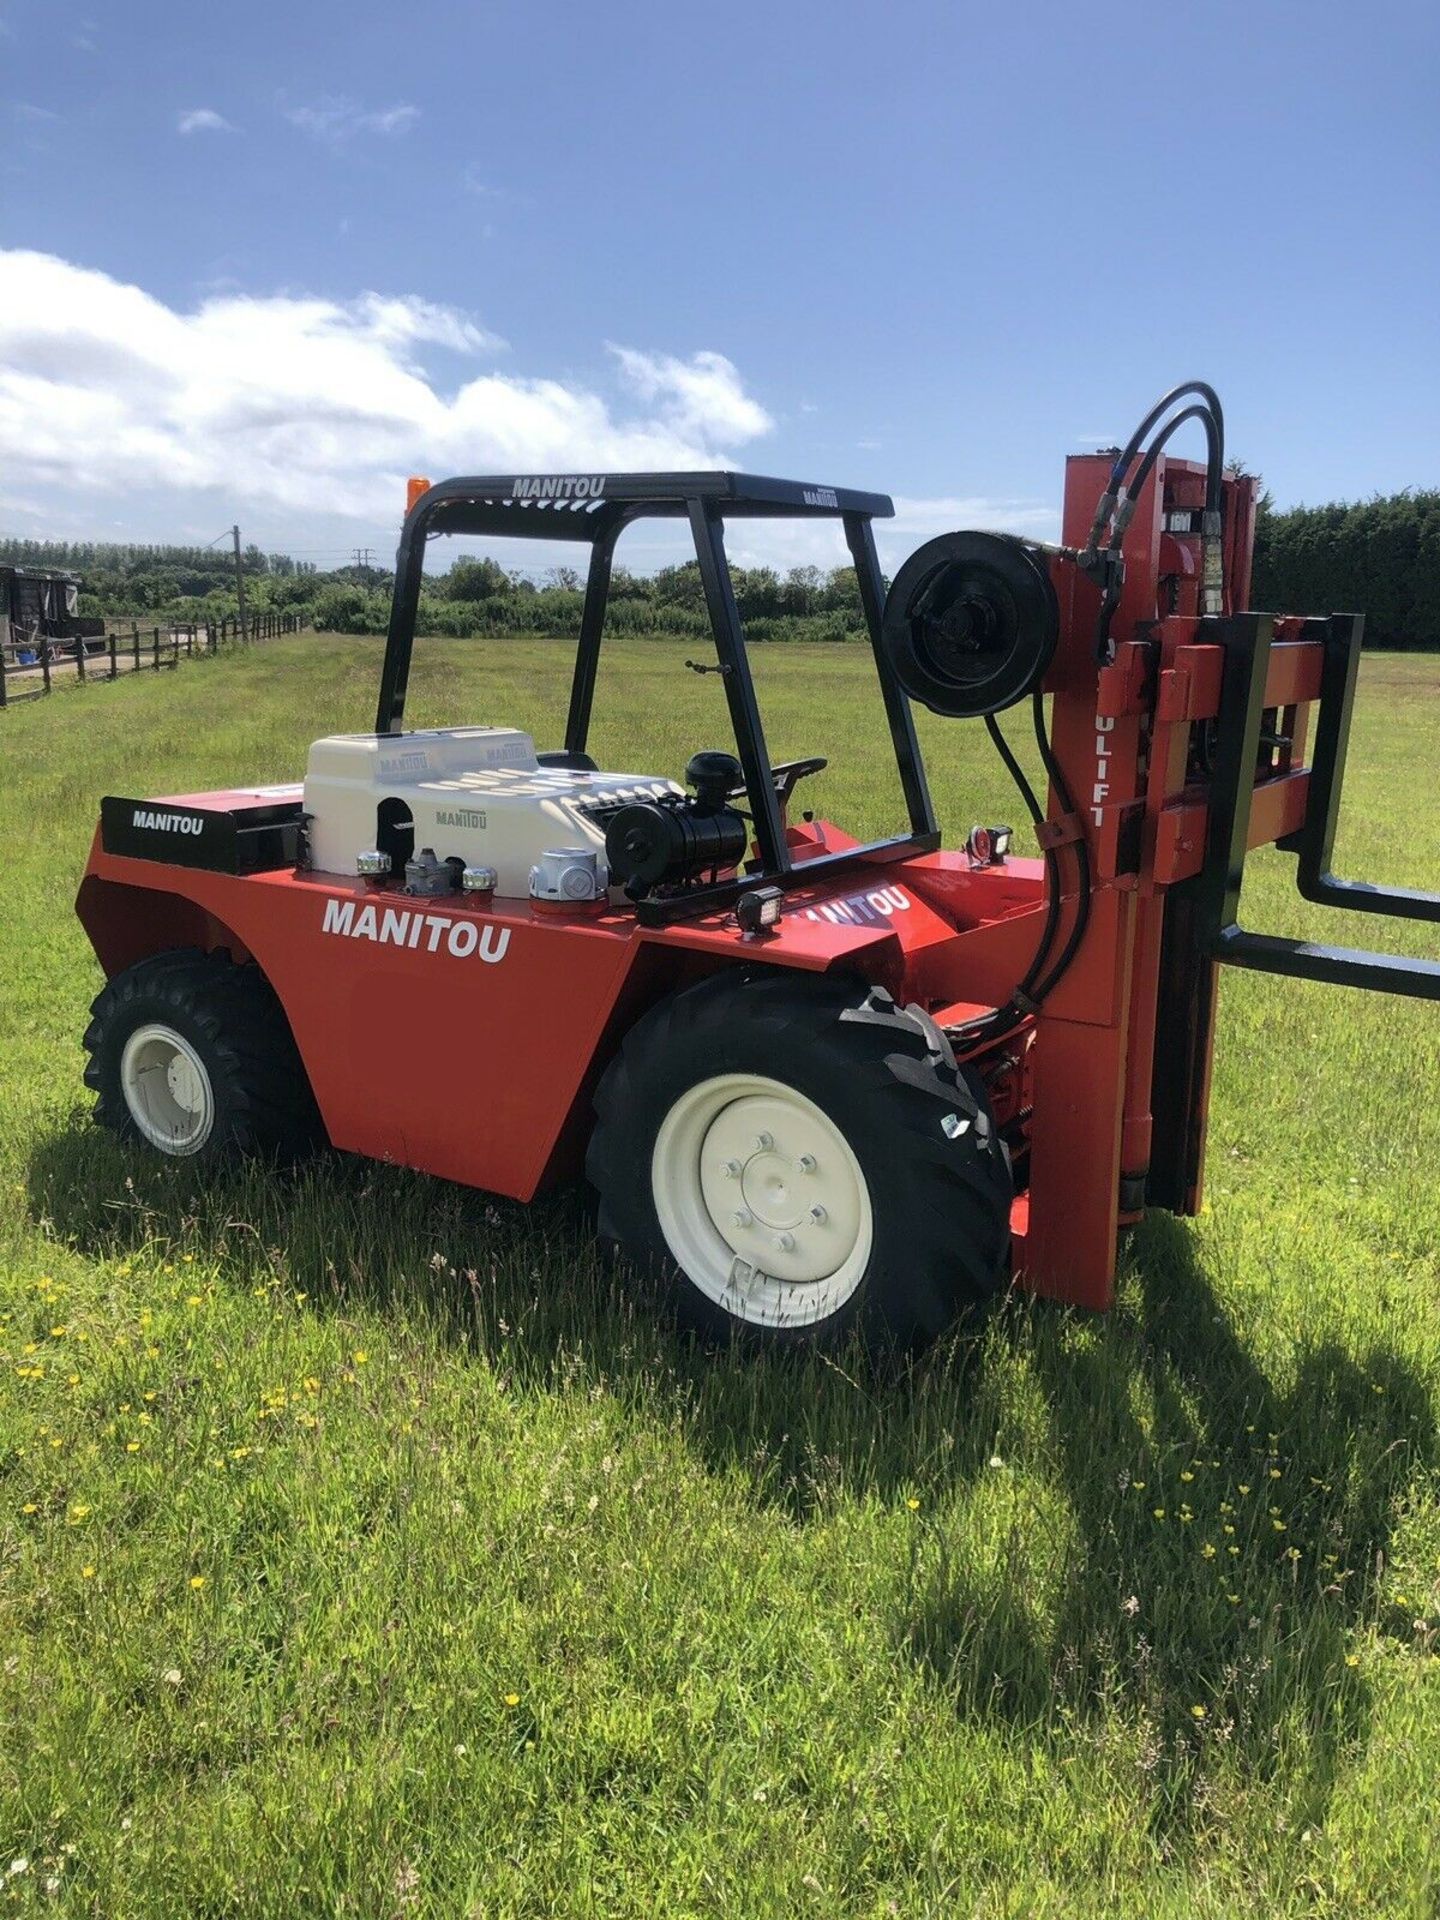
(787, 775)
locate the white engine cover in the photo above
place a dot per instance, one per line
(475, 792)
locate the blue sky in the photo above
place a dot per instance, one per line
(296, 251)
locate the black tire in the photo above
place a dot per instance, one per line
(938, 1176)
(228, 1015)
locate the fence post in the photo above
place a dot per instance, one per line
(80, 658)
(2, 679)
(135, 643)
(45, 662)
(114, 663)
(155, 645)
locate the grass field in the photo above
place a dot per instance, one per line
(367, 1549)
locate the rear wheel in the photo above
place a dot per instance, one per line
(192, 1054)
(797, 1157)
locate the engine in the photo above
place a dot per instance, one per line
(678, 839)
(466, 797)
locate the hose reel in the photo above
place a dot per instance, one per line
(970, 623)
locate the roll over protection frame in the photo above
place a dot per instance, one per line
(596, 509)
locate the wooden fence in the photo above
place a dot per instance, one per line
(117, 652)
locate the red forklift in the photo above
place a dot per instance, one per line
(819, 1084)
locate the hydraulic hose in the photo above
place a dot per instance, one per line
(1118, 471)
(1032, 990)
(1045, 987)
(1052, 865)
(1118, 502)
(1214, 454)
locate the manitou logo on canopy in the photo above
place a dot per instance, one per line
(821, 497)
(563, 486)
(408, 927)
(862, 909)
(167, 822)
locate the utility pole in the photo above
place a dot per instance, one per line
(363, 562)
(239, 579)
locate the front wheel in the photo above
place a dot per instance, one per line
(797, 1157)
(192, 1054)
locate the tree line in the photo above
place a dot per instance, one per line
(1380, 557)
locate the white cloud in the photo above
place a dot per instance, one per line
(335, 118)
(699, 395)
(307, 414)
(303, 406)
(202, 120)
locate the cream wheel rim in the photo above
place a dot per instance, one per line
(167, 1089)
(761, 1200)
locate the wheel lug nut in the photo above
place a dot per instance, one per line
(806, 1163)
(732, 1169)
(741, 1218)
(785, 1242)
(819, 1216)
(764, 1142)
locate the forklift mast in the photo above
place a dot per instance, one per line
(1187, 741)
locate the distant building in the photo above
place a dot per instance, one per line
(38, 612)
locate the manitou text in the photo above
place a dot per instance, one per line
(408, 927)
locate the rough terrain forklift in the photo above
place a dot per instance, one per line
(817, 1083)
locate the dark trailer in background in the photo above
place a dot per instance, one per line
(38, 615)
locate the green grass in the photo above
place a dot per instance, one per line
(367, 1549)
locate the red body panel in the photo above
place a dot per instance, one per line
(465, 1038)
